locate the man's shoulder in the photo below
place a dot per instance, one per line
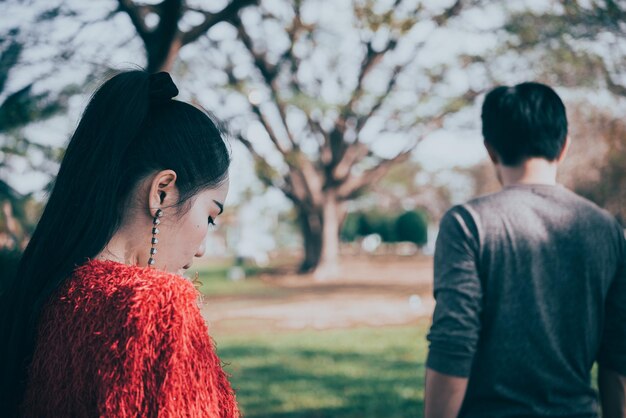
(517, 196)
(470, 211)
(589, 210)
(460, 220)
(487, 202)
(522, 207)
(527, 204)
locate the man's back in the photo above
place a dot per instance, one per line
(522, 279)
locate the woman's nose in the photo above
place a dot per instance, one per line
(201, 249)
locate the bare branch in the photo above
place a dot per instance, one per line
(613, 87)
(449, 13)
(263, 174)
(315, 127)
(211, 19)
(346, 157)
(454, 106)
(353, 154)
(362, 120)
(268, 127)
(137, 14)
(304, 180)
(312, 178)
(371, 58)
(294, 32)
(354, 184)
(161, 42)
(269, 73)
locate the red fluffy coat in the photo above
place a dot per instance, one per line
(126, 341)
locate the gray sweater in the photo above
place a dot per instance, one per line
(530, 285)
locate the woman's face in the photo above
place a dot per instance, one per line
(183, 238)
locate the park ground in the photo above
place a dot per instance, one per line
(353, 346)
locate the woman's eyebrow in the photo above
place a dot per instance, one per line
(219, 205)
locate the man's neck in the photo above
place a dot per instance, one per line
(531, 171)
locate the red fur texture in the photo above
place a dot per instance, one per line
(126, 341)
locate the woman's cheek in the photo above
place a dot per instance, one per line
(202, 233)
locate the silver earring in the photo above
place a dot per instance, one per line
(155, 231)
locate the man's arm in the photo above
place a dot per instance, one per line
(456, 323)
(612, 353)
(612, 387)
(444, 395)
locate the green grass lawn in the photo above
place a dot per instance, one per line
(363, 372)
(215, 282)
(360, 372)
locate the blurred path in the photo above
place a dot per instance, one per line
(373, 292)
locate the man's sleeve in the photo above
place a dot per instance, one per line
(612, 353)
(456, 322)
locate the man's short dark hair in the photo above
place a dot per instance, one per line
(524, 121)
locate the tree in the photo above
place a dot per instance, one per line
(28, 103)
(580, 46)
(577, 44)
(37, 54)
(595, 166)
(327, 143)
(159, 26)
(408, 185)
(483, 177)
(17, 110)
(325, 162)
(412, 226)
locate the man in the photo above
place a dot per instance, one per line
(530, 282)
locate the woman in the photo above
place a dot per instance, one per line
(98, 322)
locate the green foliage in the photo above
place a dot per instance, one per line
(9, 56)
(409, 226)
(24, 209)
(365, 12)
(563, 45)
(382, 224)
(412, 226)
(363, 372)
(609, 189)
(265, 171)
(214, 281)
(350, 229)
(23, 107)
(375, 222)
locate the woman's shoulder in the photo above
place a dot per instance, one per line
(126, 286)
(125, 328)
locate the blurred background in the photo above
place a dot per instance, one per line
(353, 124)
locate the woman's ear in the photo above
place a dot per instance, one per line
(163, 191)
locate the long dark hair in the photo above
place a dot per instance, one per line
(130, 129)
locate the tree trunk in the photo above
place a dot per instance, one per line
(311, 228)
(166, 63)
(333, 215)
(320, 231)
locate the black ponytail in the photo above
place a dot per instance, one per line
(130, 129)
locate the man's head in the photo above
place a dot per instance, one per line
(522, 122)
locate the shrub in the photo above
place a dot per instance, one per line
(351, 226)
(412, 226)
